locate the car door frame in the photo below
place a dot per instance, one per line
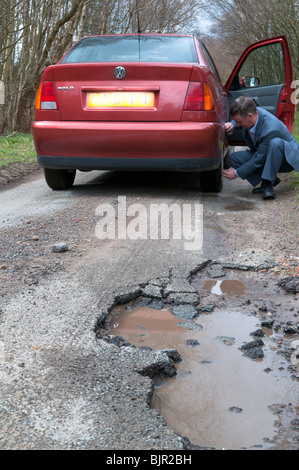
(284, 108)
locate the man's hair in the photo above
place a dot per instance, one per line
(243, 106)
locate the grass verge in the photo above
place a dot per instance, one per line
(294, 180)
(16, 148)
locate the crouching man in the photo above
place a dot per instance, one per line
(272, 148)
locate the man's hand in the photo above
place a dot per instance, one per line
(229, 174)
(229, 128)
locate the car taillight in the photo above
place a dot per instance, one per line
(199, 97)
(46, 96)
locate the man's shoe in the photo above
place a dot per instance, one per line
(261, 188)
(276, 182)
(268, 192)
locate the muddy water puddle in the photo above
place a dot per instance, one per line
(229, 287)
(219, 398)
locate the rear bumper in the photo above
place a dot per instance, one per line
(87, 163)
(188, 146)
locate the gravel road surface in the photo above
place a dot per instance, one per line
(62, 386)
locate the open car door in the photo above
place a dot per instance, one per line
(264, 73)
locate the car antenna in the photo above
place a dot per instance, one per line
(138, 21)
(138, 24)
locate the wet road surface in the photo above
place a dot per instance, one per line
(62, 387)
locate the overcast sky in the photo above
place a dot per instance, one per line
(204, 22)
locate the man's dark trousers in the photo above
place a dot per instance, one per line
(275, 162)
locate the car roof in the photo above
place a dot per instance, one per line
(136, 34)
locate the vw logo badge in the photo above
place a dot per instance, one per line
(120, 72)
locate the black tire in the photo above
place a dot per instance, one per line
(226, 160)
(211, 181)
(59, 179)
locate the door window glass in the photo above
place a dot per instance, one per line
(264, 66)
(210, 61)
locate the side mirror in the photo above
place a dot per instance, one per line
(250, 82)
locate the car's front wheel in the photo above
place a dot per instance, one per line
(211, 181)
(59, 179)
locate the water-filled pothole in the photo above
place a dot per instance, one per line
(219, 398)
(222, 396)
(226, 286)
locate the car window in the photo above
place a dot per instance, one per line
(210, 61)
(264, 66)
(133, 49)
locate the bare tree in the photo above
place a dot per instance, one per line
(36, 33)
(239, 23)
(129, 16)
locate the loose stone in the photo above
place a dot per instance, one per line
(60, 247)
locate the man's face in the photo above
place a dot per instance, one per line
(247, 121)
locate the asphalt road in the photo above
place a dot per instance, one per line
(62, 387)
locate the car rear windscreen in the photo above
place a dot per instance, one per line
(135, 48)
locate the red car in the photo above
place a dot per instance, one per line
(150, 102)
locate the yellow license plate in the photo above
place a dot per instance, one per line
(122, 99)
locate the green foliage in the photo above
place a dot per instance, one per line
(294, 180)
(16, 148)
(296, 126)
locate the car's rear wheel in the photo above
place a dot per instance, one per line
(226, 160)
(59, 179)
(211, 181)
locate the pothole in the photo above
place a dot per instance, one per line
(240, 206)
(228, 287)
(236, 386)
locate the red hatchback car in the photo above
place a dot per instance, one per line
(150, 102)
